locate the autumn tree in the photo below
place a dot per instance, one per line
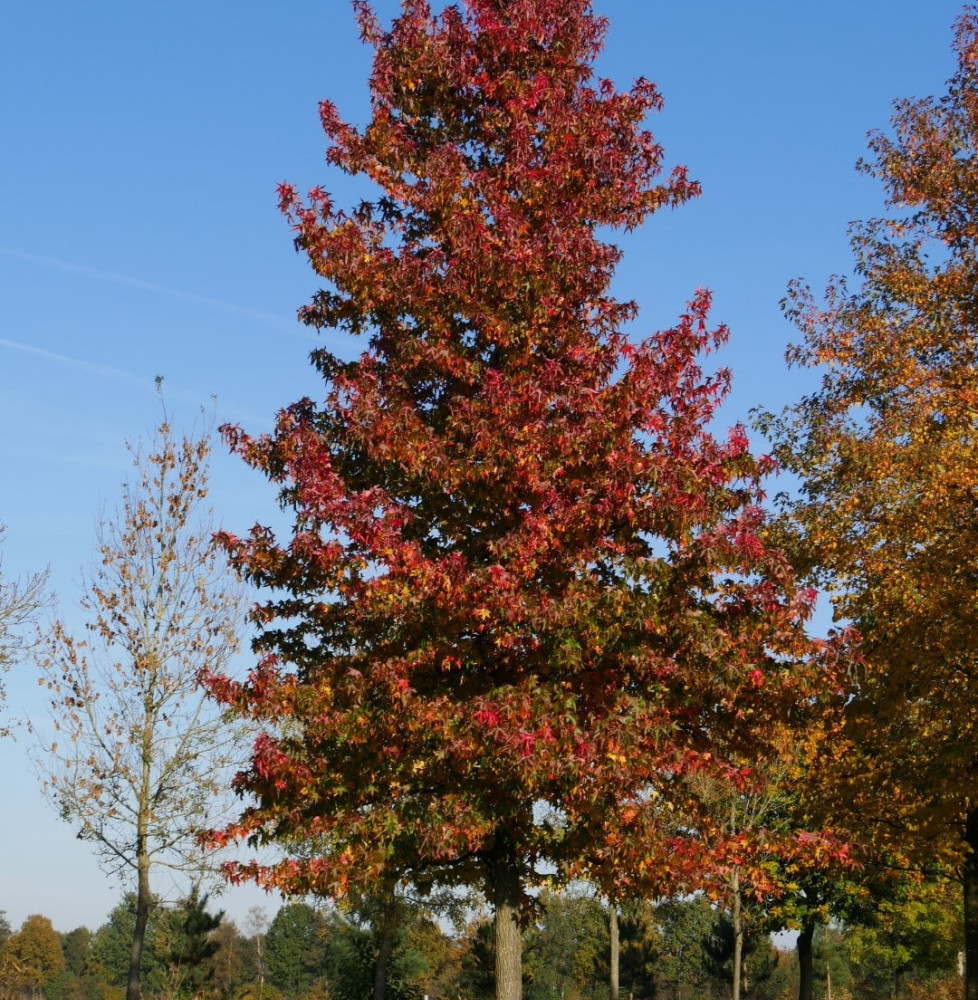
(20, 601)
(227, 963)
(139, 757)
(525, 583)
(886, 449)
(31, 958)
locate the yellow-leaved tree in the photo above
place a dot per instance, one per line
(887, 451)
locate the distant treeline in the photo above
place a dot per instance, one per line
(677, 949)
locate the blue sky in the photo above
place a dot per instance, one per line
(139, 237)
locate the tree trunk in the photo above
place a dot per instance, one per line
(507, 897)
(385, 944)
(806, 983)
(900, 983)
(613, 936)
(738, 934)
(969, 876)
(142, 918)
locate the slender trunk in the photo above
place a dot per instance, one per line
(613, 935)
(142, 918)
(738, 933)
(969, 875)
(148, 675)
(900, 983)
(506, 897)
(806, 984)
(388, 925)
(259, 955)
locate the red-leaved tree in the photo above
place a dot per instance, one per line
(525, 586)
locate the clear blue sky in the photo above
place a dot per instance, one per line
(139, 236)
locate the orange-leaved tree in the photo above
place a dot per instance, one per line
(887, 513)
(525, 587)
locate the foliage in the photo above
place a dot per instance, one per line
(140, 754)
(684, 924)
(477, 961)
(886, 449)
(393, 936)
(640, 949)
(112, 945)
(295, 949)
(227, 963)
(885, 518)
(758, 957)
(566, 949)
(186, 944)
(525, 584)
(76, 946)
(31, 958)
(916, 938)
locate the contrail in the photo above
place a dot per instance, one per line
(232, 411)
(110, 277)
(103, 371)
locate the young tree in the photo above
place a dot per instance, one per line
(256, 929)
(525, 583)
(187, 944)
(886, 448)
(140, 757)
(20, 601)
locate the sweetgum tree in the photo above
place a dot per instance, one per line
(525, 585)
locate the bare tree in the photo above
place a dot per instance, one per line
(141, 757)
(20, 600)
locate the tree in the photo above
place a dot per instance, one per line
(20, 600)
(226, 964)
(76, 946)
(917, 935)
(388, 946)
(886, 449)
(682, 966)
(295, 949)
(640, 944)
(257, 930)
(525, 583)
(185, 939)
(111, 951)
(32, 958)
(566, 949)
(375, 929)
(140, 755)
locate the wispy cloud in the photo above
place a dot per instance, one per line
(110, 277)
(90, 367)
(229, 412)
